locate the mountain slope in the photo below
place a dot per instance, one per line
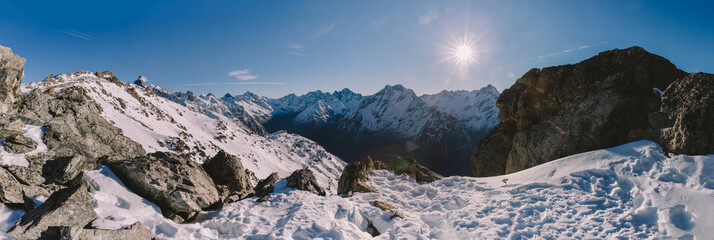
(162, 125)
(633, 190)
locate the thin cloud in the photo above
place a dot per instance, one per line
(258, 83)
(198, 84)
(242, 75)
(567, 51)
(377, 23)
(298, 54)
(294, 46)
(325, 30)
(78, 35)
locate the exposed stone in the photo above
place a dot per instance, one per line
(559, 111)
(689, 102)
(19, 144)
(10, 188)
(304, 179)
(387, 207)
(179, 186)
(136, 231)
(11, 128)
(11, 74)
(265, 186)
(227, 169)
(355, 176)
(66, 207)
(67, 168)
(141, 81)
(410, 167)
(26, 175)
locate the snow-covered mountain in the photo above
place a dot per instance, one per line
(439, 130)
(199, 127)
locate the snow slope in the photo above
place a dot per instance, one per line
(159, 124)
(633, 190)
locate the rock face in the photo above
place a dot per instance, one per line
(141, 81)
(180, 187)
(66, 207)
(265, 186)
(355, 176)
(11, 74)
(67, 168)
(418, 172)
(10, 188)
(19, 144)
(227, 169)
(136, 231)
(689, 103)
(559, 111)
(303, 179)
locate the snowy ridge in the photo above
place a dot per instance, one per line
(633, 190)
(476, 108)
(162, 125)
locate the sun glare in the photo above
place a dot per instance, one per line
(464, 54)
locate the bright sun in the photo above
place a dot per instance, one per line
(464, 54)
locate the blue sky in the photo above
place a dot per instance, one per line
(278, 47)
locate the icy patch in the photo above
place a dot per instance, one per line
(30, 131)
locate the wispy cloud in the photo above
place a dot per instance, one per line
(567, 51)
(294, 46)
(377, 23)
(258, 83)
(242, 75)
(198, 84)
(78, 35)
(298, 54)
(325, 30)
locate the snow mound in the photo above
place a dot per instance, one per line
(32, 132)
(633, 190)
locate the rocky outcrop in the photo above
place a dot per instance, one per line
(265, 186)
(410, 167)
(66, 207)
(141, 81)
(19, 144)
(11, 74)
(355, 176)
(226, 169)
(65, 169)
(136, 231)
(559, 111)
(689, 104)
(179, 186)
(10, 188)
(303, 179)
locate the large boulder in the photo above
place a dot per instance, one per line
(265, 186)
(355, 176)
(136, 231)
(65, 169)
(689, 103)
(19, 144)
(66, 207)
(409, 166)
(11, 74)
(304, 179)
(10, 188)
(558, 111)
(179, 186)
(227, 169)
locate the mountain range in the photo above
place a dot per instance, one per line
(438, 130)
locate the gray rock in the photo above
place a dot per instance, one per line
(11, 128)
(689, 102)
(19, 144)
(141, 81)
(410, 167)
(265, 186)
(227, 169)
(136, 231)
(11, 74)
(66, 207)
(558, 111)
(10, 188)
(179, 186)
(355, 176)
(67, 168)
(304, 179)
(26, 175)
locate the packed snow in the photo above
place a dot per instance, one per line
(32, 132)
(633, 190)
